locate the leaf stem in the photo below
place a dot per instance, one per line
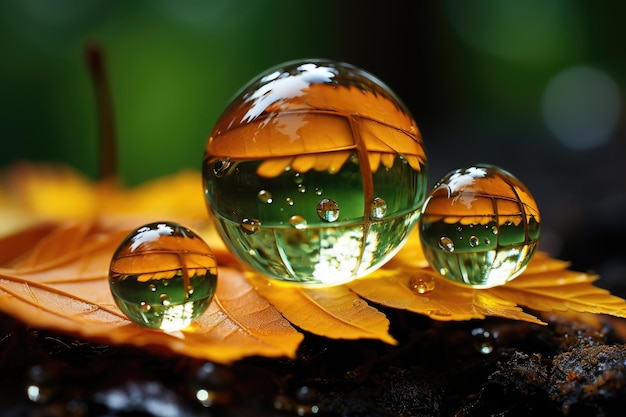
(106, 120)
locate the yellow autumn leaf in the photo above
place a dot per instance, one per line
(68, 291)
(546, 285)
(54, 276)
(334, 312)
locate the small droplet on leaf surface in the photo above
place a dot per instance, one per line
(479, 226)
(163, 276)
(300, 131)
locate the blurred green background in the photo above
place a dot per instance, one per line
(534, 86)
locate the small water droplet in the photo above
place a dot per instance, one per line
(378, 208)
(220, 168)
(190, 290)
(289, 201)
(485, 341)
(446, 244)
(152, 287)
(356, 302)
(494, 230)
(298, 178)
(250, 226)
(165, 299)
(328, 210)
(459, 228)
(265, 196)
(487, 241)
(298, 222)
(145, 307)
(422, 283)
(318, 191)
(301, 188)
(474, 241)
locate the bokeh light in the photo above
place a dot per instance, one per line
(581, 106)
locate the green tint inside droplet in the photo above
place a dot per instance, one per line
(163, 276)
(469, 237)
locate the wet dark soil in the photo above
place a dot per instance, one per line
(492, 367)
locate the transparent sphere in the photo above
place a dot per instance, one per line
(479, 226)
(163, 276)
(315, 173)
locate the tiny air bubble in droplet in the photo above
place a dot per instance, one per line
(446, 244)
(159, 255)
(250, 226)
(378, 208)
(328, 210)
(220, 168)
(265, 196)
(298, 222)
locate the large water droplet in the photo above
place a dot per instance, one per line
(336, 246)
(250, 226)
(328, 210)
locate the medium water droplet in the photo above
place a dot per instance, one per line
(190, 290)
(298, 178)
(378, 208)
(250, 226)
(265, 196)
(494, 230)
(298, 222)
(289, 201)
(301, 188)
(422, 283)
(220, 168)
(328, 210)
(152, 287)
(446, 244)
(356, 302)
(318, 191)
(474, 241)
(145, 307)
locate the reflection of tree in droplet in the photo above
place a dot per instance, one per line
(328, 210)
